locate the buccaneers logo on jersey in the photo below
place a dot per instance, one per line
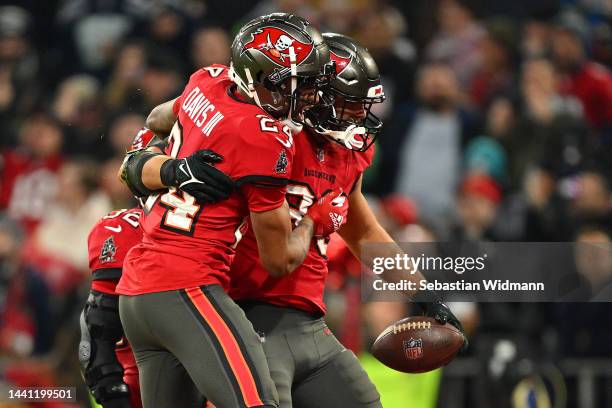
(341, 62)
(109, 249)
(274, 43)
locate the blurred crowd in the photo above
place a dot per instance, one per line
(498, 127)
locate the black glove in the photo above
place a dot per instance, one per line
(197, 176)
(442, 313)
(431, 304)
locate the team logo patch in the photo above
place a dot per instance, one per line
(413, 348)
(274, 43)
(341, 62)
(109, 249)
(282, 163)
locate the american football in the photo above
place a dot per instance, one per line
(417, 344)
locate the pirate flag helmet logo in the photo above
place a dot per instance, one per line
(341, 62)
(275, 43)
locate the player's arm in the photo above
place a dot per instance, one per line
(282, 249)
(100, 330)
(146, 170)
(363, 228)
(162, 117)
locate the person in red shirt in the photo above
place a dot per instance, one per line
(309, 366)
(190, 339)
(28, 173)
(315, 369)
(590, 82)
(106, 358)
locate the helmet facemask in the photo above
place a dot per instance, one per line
(350, 122)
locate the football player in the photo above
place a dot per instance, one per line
(182, 326)
(308, 364)
(106, 358)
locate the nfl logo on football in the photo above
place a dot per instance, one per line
(413, 348)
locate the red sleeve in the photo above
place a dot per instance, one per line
(176, 105)
(265, 153)
(262, 199)
(363, 160)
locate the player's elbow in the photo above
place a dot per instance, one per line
(153, 120)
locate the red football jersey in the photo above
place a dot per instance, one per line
(317, 168)
(186, 244)
(27, 185)
(108, 243)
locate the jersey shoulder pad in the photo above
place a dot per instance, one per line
(266, 150)
(216, 71)
(258, 128)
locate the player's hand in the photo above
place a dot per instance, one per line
(197, 176)
(442, 313)
(329, 213)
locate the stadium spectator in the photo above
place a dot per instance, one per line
(72, 95)
(19, 68)
(549, 132)
(498, 50)
(122, 131)
(478, 202)
(78, 107)
(119, 196)
(95, 29)
(210, 45)
(168, 32)
(590, 82)
(424, 147)
(160, 82)
(11, 237)
(78, 206)
(382, 33)
(128, 68)
(458, 40)
(535, 38)
(28, 172)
